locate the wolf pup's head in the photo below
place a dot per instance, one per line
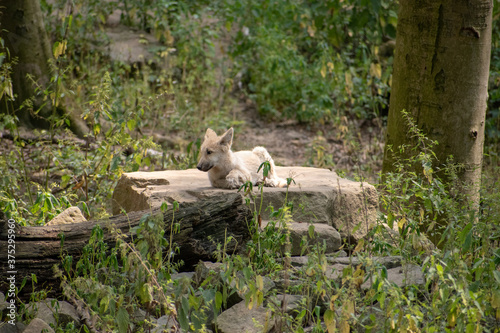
(214, 149)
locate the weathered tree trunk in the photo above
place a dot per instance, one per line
(25, 38)
(203, 225)
(441, 69)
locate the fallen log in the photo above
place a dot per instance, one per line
(203, 225)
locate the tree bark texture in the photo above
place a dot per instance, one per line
(441, 69)
(26, 39)
(203, 225)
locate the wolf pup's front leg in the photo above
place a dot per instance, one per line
(236, 178)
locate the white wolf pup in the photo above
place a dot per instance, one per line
(231, 170)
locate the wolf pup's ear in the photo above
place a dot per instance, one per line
(227, 138)
(210, 133)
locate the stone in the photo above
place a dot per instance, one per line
(69, 215)
(240, 288)
(165, 324)
(239, 318)
(138, 315)
(130, 46)
(334, 272)
(293, 303)
(46, 311)
(318, 196)
(206, 268)
(180, 282)
(298, 261)
(5, 327)
(408, 274)
(387, 262)
(323, 234)
(338, 254)
(37, 325)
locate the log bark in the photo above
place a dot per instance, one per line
(203, 225)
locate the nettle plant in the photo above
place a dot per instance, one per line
(309, 61)
(462, 289)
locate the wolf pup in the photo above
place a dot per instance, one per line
(231, 170)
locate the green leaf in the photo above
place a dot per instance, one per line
(311, 231)
(260, 282)
(131, 124)
(390, 220)
(183, 314)
(123, 320)
(218, 300)
(115, 162)
(468, 242)
(330, 320)
(496, 274)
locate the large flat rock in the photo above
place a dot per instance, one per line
(318, 196)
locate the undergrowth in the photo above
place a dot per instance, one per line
(316, 63)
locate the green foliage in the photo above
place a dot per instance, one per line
(460, 276)
(316, 62)
(113, 282)
(312, 61)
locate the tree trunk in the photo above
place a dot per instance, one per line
(441, 69)
(203, 225)
(25, 38)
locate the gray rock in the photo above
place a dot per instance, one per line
(20, 327)
(239, 318)
(164, 324)
(241, 288)
(323, 234)
(70, 215)
(319, 196)
(293, 303)
(299, 261)
(138, 315)
(182, 276)
(5, 327)
(206, 268)
(66, 312)
(129, 46)
(388, 262)
(37, 325)
(334, 272)
(181, 282)
(406, 275)
(338, 254)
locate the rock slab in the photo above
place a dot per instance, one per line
(69, 215)
(318, 196)
(239, 318)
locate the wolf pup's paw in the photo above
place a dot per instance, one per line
(235, 179)
(233, 183)
(275, 182)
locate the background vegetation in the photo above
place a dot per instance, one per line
(326, 66)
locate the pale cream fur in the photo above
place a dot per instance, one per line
(227, 169)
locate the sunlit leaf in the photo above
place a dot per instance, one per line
(330, 322)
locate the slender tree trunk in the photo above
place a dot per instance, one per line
(23, 31)
(441, 69)
(26, 40)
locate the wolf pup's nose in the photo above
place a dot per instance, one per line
(198, 167)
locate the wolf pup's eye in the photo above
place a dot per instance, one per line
(209, 152)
